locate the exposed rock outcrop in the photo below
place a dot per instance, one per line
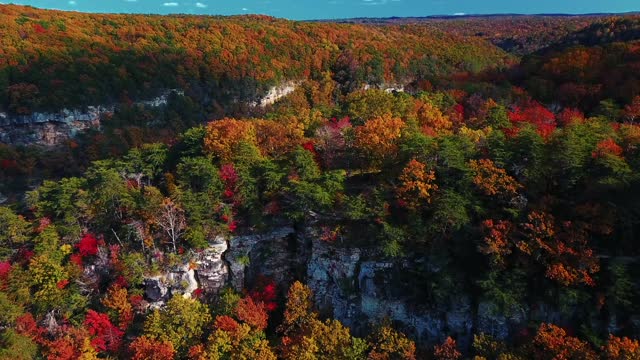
(212, 271)
(53, 128)
(234, 263)
(160, 288)
(333, 275)
(388, 88)
(155, 289)
(356, 286)
(276, 93)
(279, 254)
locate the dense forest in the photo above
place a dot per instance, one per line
(442, 197)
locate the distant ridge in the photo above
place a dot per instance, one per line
(471, 16)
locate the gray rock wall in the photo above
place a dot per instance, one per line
(53, 128)
(356, 286)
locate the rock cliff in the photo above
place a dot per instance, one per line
(276, 93)
(53, 128)
(355, 286)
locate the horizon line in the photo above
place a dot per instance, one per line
(460, 15)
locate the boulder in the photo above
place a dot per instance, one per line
(212, 271)
(155, 290)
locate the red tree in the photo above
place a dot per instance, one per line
(607, 147)
(537, 115)
(447, 351)
(265, 292)
(88, 245)
(226, 323)
(106, 336)
(632, 111)
(252, 313)
(5, 268)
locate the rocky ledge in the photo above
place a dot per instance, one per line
(356, 286)
(53, 128)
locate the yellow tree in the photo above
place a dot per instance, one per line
(432, 121)
(387, 343)
(378, 138)
(306, 337)
(117, 300)
(417, 184)
(182, 322)
(275, 139)
(223, 136)
(492, 180)
(299, 307)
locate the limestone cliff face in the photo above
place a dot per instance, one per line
(276, 93)
(53, 128)
(356, 286)
(353, 285)
(49, 128)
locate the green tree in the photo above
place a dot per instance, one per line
(65, 202)
(110, 199)
(17, 347)
(307, 189)
(9, 310)
(146, 162)
(450, 212)
(366, 105)
(14, 229)
(198, 174)
(498, 117)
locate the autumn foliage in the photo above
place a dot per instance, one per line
(492, 180)
(144, 348)
(496, 242)
(412, 173)
(537, 115)
(417, 185)
(254, 314)
(105, 336)
(117, 300)
(223, 137)
(447, 350)
(552, 342)
(623, 348)
(88, 245)
(378, 138)
(561, 249)
(607, 147)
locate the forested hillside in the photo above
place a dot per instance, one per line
(417, 194)
(517, 34)
(50, 60)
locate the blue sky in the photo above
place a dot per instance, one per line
(327, 9)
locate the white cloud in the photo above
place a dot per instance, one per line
(72, 3)
(201, 5)
(170, 4)
(245, 9)
(374, 2)
(131, 0)
(459, 14)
